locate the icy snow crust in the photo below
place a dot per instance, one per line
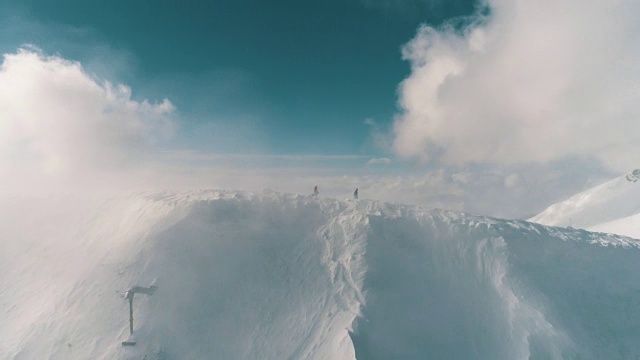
(275, 276)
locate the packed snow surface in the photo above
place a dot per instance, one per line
(275, 276)
(611, 207)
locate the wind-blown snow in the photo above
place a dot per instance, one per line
(611, 207)
(274, 276)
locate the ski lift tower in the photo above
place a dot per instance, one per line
(129, 296)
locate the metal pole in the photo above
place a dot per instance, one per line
(131, 315)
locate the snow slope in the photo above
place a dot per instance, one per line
(611, 207)
(275, 276)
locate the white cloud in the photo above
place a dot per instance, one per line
(379, 139)
(379, 161)
(532, 81)
(59, 120)
(190, 155)
(511, 181)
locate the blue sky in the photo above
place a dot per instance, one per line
(501, 109)
(297, 77)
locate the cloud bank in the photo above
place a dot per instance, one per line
(58, 120)
(64, 129)
(525, 81)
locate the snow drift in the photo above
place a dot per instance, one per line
(273, 276)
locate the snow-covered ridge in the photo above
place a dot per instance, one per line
(611, 207)
(279, 276)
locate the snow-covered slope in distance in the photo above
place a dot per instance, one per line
(610, 207)
(275, 276)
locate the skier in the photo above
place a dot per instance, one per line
(355, 194)
(315, 191)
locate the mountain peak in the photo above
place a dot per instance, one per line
(280, 276)
(601, 208)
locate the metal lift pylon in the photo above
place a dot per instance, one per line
(129, 296)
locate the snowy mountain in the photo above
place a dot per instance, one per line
(275, 276)
(611, 207)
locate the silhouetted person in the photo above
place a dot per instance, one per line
(355, 194)
(315, 191)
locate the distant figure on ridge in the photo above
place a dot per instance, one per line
(315, 191)
(355, 194)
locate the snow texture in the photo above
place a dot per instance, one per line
(276, 276)
(612, 207)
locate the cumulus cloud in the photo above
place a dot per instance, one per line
(59, 120)
(525, 81)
